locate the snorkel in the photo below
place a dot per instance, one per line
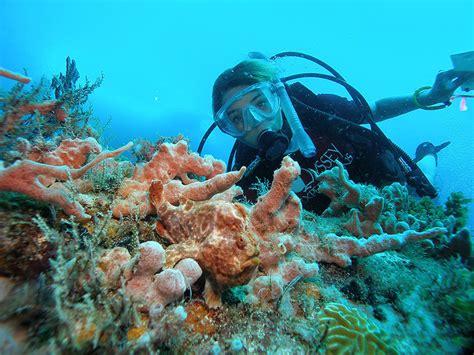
(303, 141)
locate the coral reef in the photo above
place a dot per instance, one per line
(147, 287)
(158, 255)
(25, 176)
(67, 309)
(171, 166)
(212, 232)
(143, 149)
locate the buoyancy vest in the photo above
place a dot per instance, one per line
(333, 123)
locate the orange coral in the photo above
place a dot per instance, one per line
(200, 318)
(12, 117)
(342, 191)
(172, 166)
(332, 248)
(221, 235)
(70, 152)
(279, 210)
(14, 76)
(24, 176)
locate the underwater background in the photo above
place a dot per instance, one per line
(92, 274)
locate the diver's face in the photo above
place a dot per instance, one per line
(235, 114)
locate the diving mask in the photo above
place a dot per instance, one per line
(248, 108)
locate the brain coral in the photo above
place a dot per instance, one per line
(347, 331)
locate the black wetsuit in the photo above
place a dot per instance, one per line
(333, 123)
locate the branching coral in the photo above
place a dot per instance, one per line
(364, 207)
(24, 176)
(339, 249)
(279, 210)
(14, 76)
(172, 166)
(65, 90)
(223, 235)
(65, 82)
(342, 191)
(367, 210)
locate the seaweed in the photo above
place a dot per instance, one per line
(21, 119)
(456, 205)
(75, 313)
(426, 210)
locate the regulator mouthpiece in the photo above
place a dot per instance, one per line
(272, 144)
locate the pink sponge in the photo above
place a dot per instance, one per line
(152, 257)
(147, 284)
(167, 286)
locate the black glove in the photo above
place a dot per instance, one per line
(427, 148)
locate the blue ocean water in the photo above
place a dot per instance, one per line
(160, 59)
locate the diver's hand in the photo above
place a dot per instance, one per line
(445, 84)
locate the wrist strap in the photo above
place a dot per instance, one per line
(423, 107)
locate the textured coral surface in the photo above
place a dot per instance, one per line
(105, 255)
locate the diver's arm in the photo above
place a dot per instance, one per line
(445, 84)
(395, 106)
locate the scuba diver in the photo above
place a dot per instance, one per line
(270, 119)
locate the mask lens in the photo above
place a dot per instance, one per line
(248, 108)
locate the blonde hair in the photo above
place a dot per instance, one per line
(247, 72)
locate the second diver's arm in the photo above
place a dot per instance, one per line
(395, 106)
(446, 82)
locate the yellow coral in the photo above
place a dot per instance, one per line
(135, 332)
(347, 331)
